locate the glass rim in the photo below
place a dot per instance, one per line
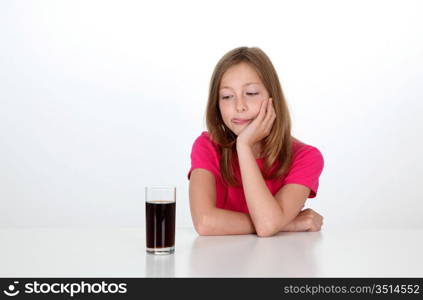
(160, 187)
(160, 201)
(168, 190)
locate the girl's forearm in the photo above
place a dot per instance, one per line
(227, 222)
(265, 211)
(220, 221)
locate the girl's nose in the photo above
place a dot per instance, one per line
(240, 105)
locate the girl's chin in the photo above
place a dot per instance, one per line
(237, 131)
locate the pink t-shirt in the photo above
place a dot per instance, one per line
(306, 168)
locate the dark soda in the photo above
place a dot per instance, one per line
(160, 223)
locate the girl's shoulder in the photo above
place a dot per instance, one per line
(301, 149)
(298, 145)
(206, 138)
(205, 142)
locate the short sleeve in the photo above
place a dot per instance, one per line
(204, 155)
(306, 169)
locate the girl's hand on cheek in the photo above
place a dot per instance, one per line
(260, 127)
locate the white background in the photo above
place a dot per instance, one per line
(101, 98)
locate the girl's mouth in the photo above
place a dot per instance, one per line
(240, 121)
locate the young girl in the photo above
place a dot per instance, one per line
(248, 174)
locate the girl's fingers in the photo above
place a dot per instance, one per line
(262, 112)
(268, 109)
(270, 116)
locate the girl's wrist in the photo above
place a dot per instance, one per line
(242, 144)
(290, 227)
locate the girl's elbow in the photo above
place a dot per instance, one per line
(201, 230)
(201, 226)
(266, 231)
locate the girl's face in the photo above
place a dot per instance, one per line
(240, 96)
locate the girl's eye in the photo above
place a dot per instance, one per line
(226, 97)
(252, 94)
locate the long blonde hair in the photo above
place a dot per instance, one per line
(277, 145)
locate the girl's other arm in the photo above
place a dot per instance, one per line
(210, 220)
(207, 218)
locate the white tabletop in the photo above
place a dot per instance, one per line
(121, 253)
